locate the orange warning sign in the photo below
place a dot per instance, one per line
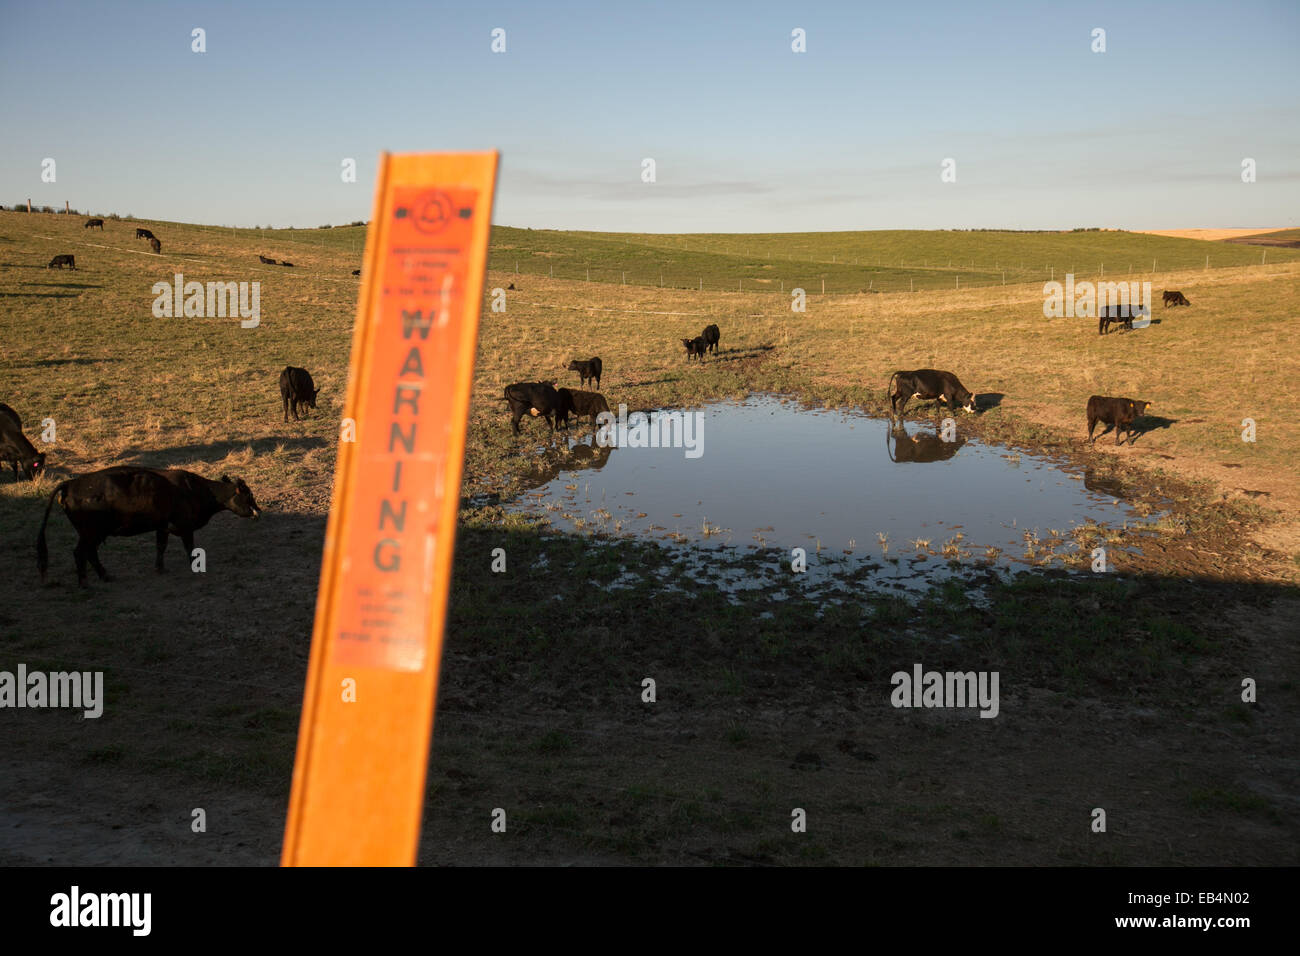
(367, 717)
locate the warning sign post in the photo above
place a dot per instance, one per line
(363, 745)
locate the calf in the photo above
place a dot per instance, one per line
(264, 260)
(143, 234)
(125, 500)
(1116, 314)
(532, 398)
(297, 388)
(1175, 297)
(588, 370)
(356, 272)
(1119, 412)
(711, 336)
(155, 247)
(94, 224)
(15, 448)
(927, 384)
(61, 261)
(695, 347)
(580, 404)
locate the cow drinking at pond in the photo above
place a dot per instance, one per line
(1119, 412)
(125, 500)
(928, 384)
(579, 404)
(539, 399)
(15, 448)
(297, 388)
(65, 260)
(588, 370)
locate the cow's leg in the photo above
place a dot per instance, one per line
(1092, 424)
(79, 556)
(187, 540)
(286, 406)
(514, 421)
(90, 552)
(160, 542)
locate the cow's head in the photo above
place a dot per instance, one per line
(312, 401)
(1140, 408)
(35, 466)
(576, 366)
(968, 402)
(240, 500)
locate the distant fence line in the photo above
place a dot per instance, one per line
(929, 281)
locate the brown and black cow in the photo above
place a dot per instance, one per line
(125, 500)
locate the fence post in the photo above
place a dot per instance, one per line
(911, 284)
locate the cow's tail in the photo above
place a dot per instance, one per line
(42, 552)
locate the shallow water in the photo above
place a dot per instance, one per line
(773, 474)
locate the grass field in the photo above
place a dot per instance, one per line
(1134, 677)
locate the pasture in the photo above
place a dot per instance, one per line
(1119, 691)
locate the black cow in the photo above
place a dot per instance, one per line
(1119, 412)
(93, 224)
(1175, 297)
(265, 261)
(580, 404)
(532, 398)
(143, 234)
(297, 388)
(711, 336)
(289, 264)
(356, 272)
(588, 370)
(126, 500)
(15, 448)
(510, 287)
(1116, 314)
(695, 347)
(155, 246)
(928, 384)
(61, 261)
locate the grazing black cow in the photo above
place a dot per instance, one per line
(1175, 297)
(510, 287)
(297, 388)
(1116, 314)
(532, 398)
(711, 336)
(143, 234)
(15, 448)
(580, 404)
(289, 264)
(588, 370)
(94, 224)
(928, 384)
(356, 272)
(127, 500)
(265, 261)
(60, 261)
(155, 247)
(1119, 412)
(695, 347)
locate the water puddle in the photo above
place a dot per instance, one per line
(866, 502)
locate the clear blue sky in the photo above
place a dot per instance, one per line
(747, 135)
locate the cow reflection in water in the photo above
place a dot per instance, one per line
(921, 447)
(579, 455)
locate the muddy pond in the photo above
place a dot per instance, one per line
(911, 503)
